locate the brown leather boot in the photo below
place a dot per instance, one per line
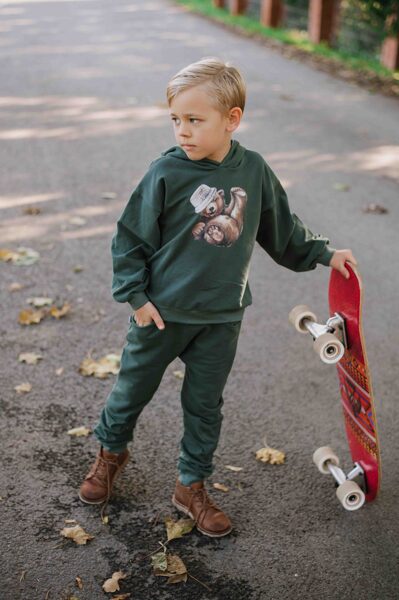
(98, 483)
(194, 501)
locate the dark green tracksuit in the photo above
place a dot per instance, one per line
(184, 242)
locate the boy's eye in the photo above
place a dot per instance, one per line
(191, 119)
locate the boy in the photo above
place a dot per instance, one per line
(181, 257)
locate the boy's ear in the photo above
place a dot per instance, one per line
(235, 116)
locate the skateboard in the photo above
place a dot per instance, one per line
(340, 341)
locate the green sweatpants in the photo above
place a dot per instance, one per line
(208, 353)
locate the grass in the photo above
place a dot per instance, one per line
(298, 39)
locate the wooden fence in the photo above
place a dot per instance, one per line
(322, 23)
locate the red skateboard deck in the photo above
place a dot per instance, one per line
(345, 298)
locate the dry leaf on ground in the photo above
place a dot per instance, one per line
(171, 566)
(270, 455)
(21, 257)
(342, 187)
(79, 582)
(232, 468)
(77, 221)
(31, 317)
(77, 534)
(121, 597)
(376, 209)
(30, 358)
(112, 585)
(101, 368)
(59, 371)
(23, 388)
(57, 313)
(15, 287)
(176, 529)
(79, 431)
(221, 487)
(32, 210)
(40, 301)
(178, 374)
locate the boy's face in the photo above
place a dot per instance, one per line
(200, 129)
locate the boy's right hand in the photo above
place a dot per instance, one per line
(146, 314)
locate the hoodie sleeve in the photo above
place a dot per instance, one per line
(137, 237)
(283, 235)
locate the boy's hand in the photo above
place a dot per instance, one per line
(146, 314)
(338, 261)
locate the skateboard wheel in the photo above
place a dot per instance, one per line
(329, 348)
(350, 495)
(322, 456)
(298, 314)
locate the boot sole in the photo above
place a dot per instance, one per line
(183, 509)
(102, 500)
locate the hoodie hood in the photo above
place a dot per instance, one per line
(232, 159)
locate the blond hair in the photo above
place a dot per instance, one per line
(222, 81)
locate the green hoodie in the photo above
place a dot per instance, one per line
(186, 236)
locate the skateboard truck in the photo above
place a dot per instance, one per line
(329, 340)
(349, 492)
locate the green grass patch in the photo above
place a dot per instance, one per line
(296, 38)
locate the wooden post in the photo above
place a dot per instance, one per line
(322, 20)
(390, 48)
(238, 7)
(219, 3)
(272, 13)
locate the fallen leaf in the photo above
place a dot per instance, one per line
(57, 313)
(7, 255)
(79, 582)
(159, 561)
(39, 302)
(121, 597)
(15, 287)
(235, 469)
(341, 187)
(176, 529)
(59, 371)
(178, 374)
(221, 487)
(29, 316)
(30, 358)
(376, 209)
(32, 210)
(23, 388)
(270, 455)
(69, 520)
(105, 519)
(79, 431)
(175, 568)
(77, 534)
(77, 269)
(77, 221)
(101, 368)
(108, 195)
(112, 585)
(26, 257)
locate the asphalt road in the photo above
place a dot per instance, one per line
(82, 113)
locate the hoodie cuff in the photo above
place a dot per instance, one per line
(138, 300)
(326, 256)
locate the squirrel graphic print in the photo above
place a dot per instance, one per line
(220, 224)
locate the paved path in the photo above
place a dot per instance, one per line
(82, 112)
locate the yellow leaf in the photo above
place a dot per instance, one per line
(231, 468)
(30, 358)
(79, 431)
(57, 313)
(221, 487)
(101, 368)
(121, 597)
(30, 316)
(69, 520)
(175, 569)
(112, 585)
(176, 529)
(79, 582)
(77, 534)
(105, 520)
(77, 269)
(270, 455)
(23, 388)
